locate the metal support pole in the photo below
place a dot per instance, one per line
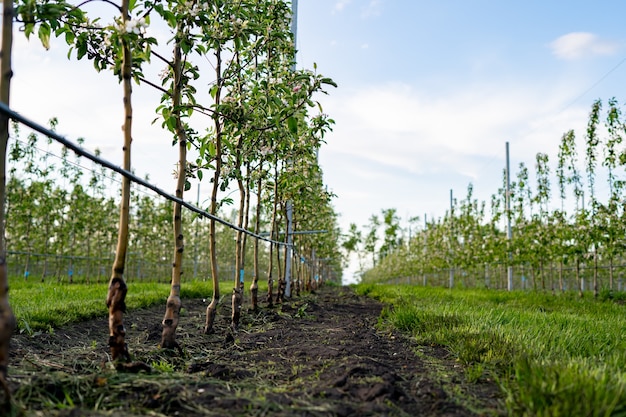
(288, 249)
(509, 232)
(452, 236)
(425, 249)
(294, 24)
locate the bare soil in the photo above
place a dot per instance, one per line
(321, 354)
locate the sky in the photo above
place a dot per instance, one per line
(429, 93)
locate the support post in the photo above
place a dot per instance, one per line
(452, 236)
(289, 248)
(509, 232)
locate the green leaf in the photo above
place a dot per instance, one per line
(29, 28)
(328, 81)
(213, 90)
(69, 37)
(292, 124)
(171, 123)
(44, 34)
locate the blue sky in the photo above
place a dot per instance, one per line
(429, 92)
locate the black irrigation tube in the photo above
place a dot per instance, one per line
(4, 109)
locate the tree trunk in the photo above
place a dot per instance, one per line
(273, 236)
(611, 272)
(281, 276)
(7, 320)
(595, 272)
(174, 303)
(579, 279)
(237, 297)
(116, 297)
(211, 309)
(254, 287)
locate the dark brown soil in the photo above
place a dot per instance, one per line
(321, 354)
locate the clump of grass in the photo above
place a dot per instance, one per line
(556, 388)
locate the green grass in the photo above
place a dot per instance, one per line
(44, 306)
(553, 355)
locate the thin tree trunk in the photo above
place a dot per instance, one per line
(174, 303)
(116, 297)
(273, 235)
(282, 281)
(237, 297)
(611, 273)
(595, 272)
(246, 220)
(211, 309)
(246, 224)
(281, 275)
(579, 279)
(7, 319)
(254, 287)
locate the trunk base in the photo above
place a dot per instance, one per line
(237, 301)
(7, 326)
(170, 323)
(116, 302)
(211, 312)
(254, 294)
(270, 293)
(280, 292)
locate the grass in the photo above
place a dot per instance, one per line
(44, 306)
(553, 355)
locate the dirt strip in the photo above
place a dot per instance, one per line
(320, 354)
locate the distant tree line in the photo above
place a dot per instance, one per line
(576, 241)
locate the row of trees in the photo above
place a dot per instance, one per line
(54, 199)
(246, 117)
(553, 239)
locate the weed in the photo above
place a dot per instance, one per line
(474, 372)
(301, 313)
(162, 366)
(24, 327)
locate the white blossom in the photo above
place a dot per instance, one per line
(136, 26)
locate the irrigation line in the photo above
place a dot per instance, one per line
(4, 109)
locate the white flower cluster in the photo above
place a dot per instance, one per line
(198, 8)
(229, 100)
(226, 170)
(238, 23)
(136, 26)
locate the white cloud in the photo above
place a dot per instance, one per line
(372, 9)
(577, 45)
(340, 5)
(409, 147)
